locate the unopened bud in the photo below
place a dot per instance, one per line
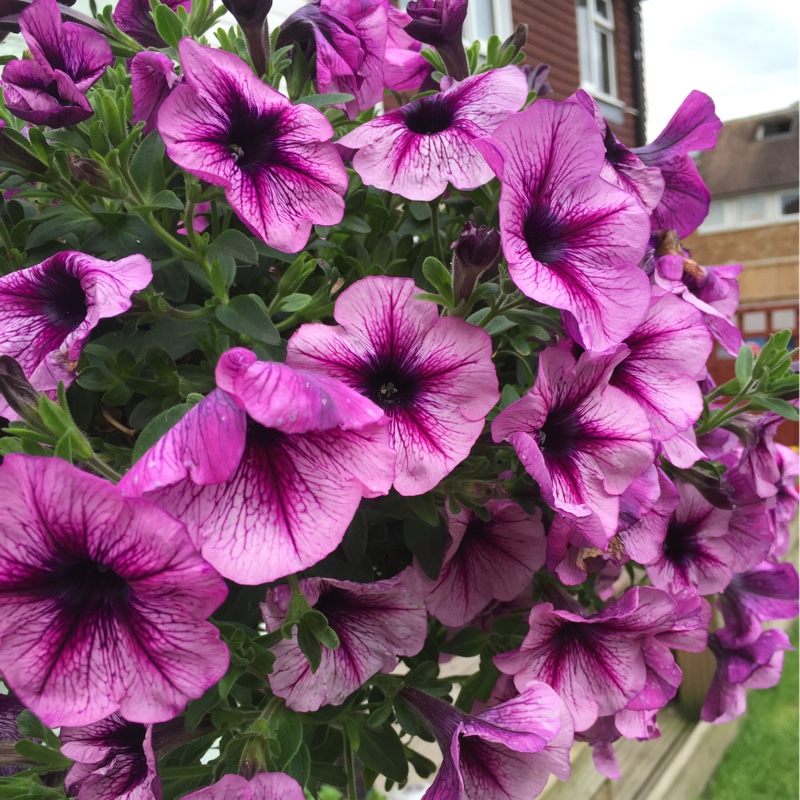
(252, 18)
(518, 39)
(253, 760)
(439, 23)
(88, 171)
(17, 390)
(476, 251)
(537, 79)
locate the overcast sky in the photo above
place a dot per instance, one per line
(743, 53)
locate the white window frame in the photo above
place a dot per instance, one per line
(589, 29)
(503, 21)
(731, 218)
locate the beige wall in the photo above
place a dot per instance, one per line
(769, 256)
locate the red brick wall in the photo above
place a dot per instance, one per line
(553, 40)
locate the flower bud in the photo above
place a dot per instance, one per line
(252, 18)
(537, 79)
(16, 156)
(518, 39)
(17, 390)
(476, 251)
(87, 170)
(439, 23)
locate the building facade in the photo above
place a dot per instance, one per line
(754, 220)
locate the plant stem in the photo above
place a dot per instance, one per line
(350, 765)
(101, 468)
(437, 238)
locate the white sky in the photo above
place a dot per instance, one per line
(743, 53)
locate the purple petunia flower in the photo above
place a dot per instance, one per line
(696, 551)
(347, 40)
(48, 311)
(767, 592)
(280, 172)
(254, 467)
(508, 750)
(714, 291)
(67, 59)
(415, 150)
(582, 440)
(404, 68)
(114, 761)
(757, 665)
(152, 79)
(786, 500)
(572, 240)
(595, 663)
(622, 167)
(375, 622)
(684, 203)
(135, 17)
(264, 786)
(33, 95)
(433, 376)
(668, 353)
(103, 600)
(10, 709)
(485, 561)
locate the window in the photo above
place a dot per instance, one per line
(596, 46)
(751, 210)
(773, 128)
(788, 204)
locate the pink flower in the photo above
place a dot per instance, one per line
(103, 600)
(432, 376)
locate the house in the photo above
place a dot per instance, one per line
(589, 44)
(753, 220)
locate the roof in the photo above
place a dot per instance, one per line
(754, 154)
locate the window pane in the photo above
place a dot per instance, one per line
(784, 318)
(789, 203)
(584, 43)
(482, 19)
(716, 215)
(752, 209)
(602, 9)
(754, 321)
(604, 46)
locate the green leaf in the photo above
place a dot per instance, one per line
(197, 709)
(330, 99)
(309, 645)
(354, 224)
(424, 506)
(295, 302)
(439, 277)
(63, 449)
(167, 199)
(287, 728)
(55, 227)
(54, 417)
(355, 539)
(247, 314)
(744, 366)
(467, 642)
(295, 275)
(427, 543)
(168, 24)
(147, 164)
(777, 405)
(234, 243)
(30, 725)
(382, 751)
(41, 754)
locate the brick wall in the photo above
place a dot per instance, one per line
(769, 255)
(553, 40)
